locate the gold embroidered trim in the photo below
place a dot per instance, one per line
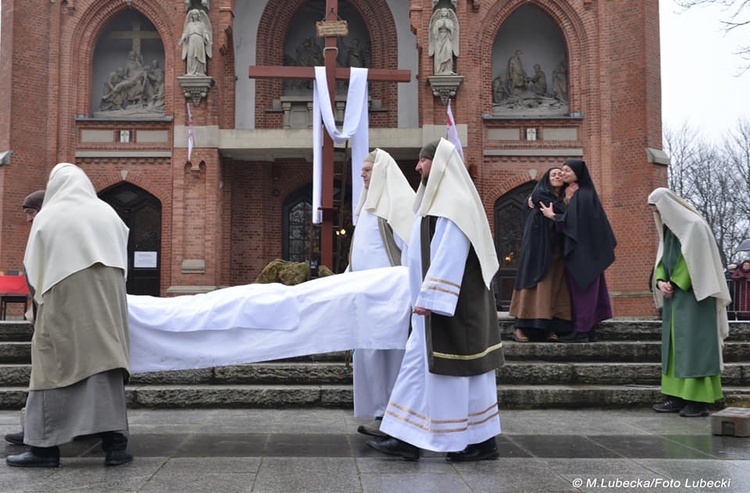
(491, 407)
(428, 427)
(477, 423)
(441, 290)
(449, 283)
(468, 356)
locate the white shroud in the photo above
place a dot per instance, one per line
(262, 322)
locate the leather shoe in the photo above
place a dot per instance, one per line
(694, 410)
(394, 446)
(117, 457)
(32, 459)
(15, 438)
(372, 429)
(669, 405)
(486, 450)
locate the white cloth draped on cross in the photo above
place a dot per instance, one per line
(356, 128)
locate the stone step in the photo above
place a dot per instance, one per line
(340, 396)
(604, 351)
(514, 372)
(610, 330)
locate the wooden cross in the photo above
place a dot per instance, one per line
(332, 73)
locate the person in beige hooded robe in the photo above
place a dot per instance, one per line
(76, 263)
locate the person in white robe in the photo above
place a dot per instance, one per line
(384, 220)
(76, 263)
(445, 397)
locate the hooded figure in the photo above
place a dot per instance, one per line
(76, 262)
(690, 287)
(589, 249)
(384, 223)
(445, 397)
(541, 300)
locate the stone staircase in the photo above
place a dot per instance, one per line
(622, 369)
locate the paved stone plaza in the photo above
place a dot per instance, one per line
(318, 450)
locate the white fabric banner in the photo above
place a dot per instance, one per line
(356, 128)
(263, 322)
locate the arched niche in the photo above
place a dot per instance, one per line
(302, 46)
(127, 75)
(529, 48)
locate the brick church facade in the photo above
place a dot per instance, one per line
(104, 84)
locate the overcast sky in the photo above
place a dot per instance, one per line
(702, 79)
(703, 83)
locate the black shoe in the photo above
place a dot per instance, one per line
(669, 405)
(372, 429)
(694, 410)
(15, 438)
(36, 457)
(486, 450)
(117, 457)
(394, 446)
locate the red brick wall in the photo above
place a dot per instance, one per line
(229, 212)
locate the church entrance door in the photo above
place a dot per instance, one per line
(510, 212)
(141, 212)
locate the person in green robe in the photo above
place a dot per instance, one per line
(690, 287)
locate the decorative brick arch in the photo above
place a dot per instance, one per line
(89, 26)
(274, 24)
(573, 30)
(113, 178)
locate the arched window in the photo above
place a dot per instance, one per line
(510, 212)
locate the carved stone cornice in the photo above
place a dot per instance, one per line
(444, 86)
(195, 87)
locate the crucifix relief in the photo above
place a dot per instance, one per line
(135, 88)
(329, 29)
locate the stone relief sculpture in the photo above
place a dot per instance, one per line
(560, 80)
(515, 93)
(443, 41)
(516, 76)
(538, 81)
(134, 90)
(197, 42)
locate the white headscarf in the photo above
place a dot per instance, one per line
(451, 193)
(73, 231)
(388, 195)
(699, 250)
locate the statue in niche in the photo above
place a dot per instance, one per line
(499, 89)
(190, 4)
(155, 86)
(538, 81)
(517, 78)
(443, 42)
(355, 55)
(197, 42)
(113, 99)
(560, 81)
(310, 54)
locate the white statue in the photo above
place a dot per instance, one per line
(443, 43)
(197, 42)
